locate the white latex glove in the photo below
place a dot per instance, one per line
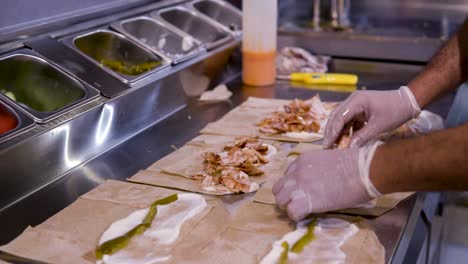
(381, 111)
(326, 180)
(426, 122)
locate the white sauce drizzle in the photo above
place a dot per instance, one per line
(330, 235)
(122, 226)
(167, 225)
(291, 238)
(122, 257)
(165, 228)
(303, 135)
(271, 151)
(210, 188)
(162, 43)
(367, 205)
(253, 187)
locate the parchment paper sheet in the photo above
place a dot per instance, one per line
(73, 233)
(256, 226)
(242, 120)
(175, 170)
(375, 207)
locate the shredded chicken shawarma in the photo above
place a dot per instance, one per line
(298, 116)
(233, 167)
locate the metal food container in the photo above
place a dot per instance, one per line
(220, 12)
(12, 123)
(39, 88)
(194, 24)
(160, 39)
(118, 55)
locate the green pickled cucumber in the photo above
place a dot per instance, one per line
(112, 246)
(284, 254)
(11, 95)
(308, 237)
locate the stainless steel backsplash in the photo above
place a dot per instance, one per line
(455, 10)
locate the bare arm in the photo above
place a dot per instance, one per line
(445, 72)
(434, 162)
(383, 111)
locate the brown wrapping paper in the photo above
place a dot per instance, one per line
(375, 207)
(156, 178)
(242, 120)
(256, 227)
(71, 236)
(47, 246)
(176, 169)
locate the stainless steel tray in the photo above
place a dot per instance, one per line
(42, 90)
(25, 123)
(107, 46)
(158, 38)
(190, 22)
(221, 13)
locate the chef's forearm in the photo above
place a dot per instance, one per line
(446, 70)
(435, 162)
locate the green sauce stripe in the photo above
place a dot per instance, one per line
(112, 246)
(284, 254)
(308, 237)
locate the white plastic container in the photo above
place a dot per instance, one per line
(259, 25)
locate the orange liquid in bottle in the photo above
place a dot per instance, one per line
(258, 68)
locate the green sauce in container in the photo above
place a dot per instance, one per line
(33, 83)
(128, 68)
(117, 53)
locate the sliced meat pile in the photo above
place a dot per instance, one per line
(298, 116)
(231, 168)
(293, 59)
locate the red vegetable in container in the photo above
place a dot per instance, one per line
(8, 120)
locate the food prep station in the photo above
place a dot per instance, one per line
(105, 94)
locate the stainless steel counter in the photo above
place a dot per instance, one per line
(398, 230)
(410, 30)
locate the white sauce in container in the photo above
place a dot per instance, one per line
(187, 43)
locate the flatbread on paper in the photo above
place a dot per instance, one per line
(255, 228)
(243, 120)
(176, 169)
(71, 236)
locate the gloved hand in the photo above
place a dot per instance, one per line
(326, 180)
(381, 111)
(427, 122)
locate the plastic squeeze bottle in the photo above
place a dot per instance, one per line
(259, 25)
